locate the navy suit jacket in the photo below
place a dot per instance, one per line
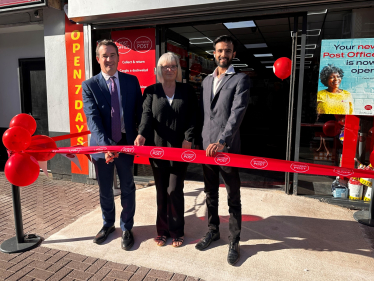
(97, 107)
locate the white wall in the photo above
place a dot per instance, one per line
(56, 70)
(14, 46)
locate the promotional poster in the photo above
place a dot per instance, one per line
(137, 55)
(346, 77)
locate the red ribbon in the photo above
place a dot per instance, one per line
(222, 159)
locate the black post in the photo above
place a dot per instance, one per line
(19, 243)
(17, 214)
(366, 217)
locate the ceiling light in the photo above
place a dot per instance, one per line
(267, 61)
(269, 66)
(235, 59)
(307, 46)
(210, 52)
(263, 55)
(200, 40)
(317, 12)
(240, 65)
(254, 46)
(307, 56)
(246, 69)
(309, 32)
(240, 24)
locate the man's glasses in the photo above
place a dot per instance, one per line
(171, 67)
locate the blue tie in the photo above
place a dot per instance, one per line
(115, 112)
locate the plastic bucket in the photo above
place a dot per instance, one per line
(355, 191)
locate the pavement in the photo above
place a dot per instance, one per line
(283, 238)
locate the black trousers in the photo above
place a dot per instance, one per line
(231, 178)
(170, 199)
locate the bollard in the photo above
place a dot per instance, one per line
(366, 217)
(21, 242)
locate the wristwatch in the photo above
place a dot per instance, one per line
(222, 142)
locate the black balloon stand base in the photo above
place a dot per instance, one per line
(12, 246)
(364, 217)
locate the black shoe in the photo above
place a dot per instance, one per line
(103, 234)
(127, 240)
(206, 240)
(234, 253)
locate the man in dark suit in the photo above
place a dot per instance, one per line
(113, 106)
(224, 100)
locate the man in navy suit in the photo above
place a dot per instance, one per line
(113, 106)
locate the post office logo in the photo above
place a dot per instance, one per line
(368, 107)
(299, 167)
(101, 149)
(222, 159)
(157, 153)
(142, 44)
(124, 45)
(75, 150)
(128, 150)
(259, 163)
(188, 156)
(344, 172)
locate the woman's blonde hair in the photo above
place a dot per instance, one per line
(168, 58)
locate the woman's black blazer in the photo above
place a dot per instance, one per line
(168, 125)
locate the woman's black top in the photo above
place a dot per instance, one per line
(168, 125)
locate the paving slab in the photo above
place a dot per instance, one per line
(284, 237)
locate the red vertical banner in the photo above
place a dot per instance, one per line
(137, 55)
(76, 75)
(352, 125)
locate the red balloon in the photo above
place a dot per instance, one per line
(42, 142)
(372, 158)
(24, 120)
(331, 128)
(21, 169)
(16, 138)
(282, 67)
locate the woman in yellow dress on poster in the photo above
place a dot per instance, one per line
(333, 100)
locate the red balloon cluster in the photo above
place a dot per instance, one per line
(22, 168)
(282, 67)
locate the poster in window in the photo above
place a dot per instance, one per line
(346, 77)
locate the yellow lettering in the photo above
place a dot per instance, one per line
(78, 104)
(78, 89)
(76, 61)
(75, 35)
(79, 117)
(77, 74)
(80, 141)
(76, 47)
(80, 128)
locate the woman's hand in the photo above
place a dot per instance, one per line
(139, 141)
(186, 144)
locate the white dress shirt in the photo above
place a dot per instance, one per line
(109, 84)
(170, 100)
(217, 80)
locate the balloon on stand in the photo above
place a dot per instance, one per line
(282, 67)
(16, 138)
(21, 169)
(42, 142)
(331, 128)
(24, 120)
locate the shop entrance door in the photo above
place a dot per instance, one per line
(264, 129)
(34, 92)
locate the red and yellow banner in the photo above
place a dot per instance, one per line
(76, 75)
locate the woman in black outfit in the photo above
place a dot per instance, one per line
(169, 120)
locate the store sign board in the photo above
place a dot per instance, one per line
(353, 94)
(8, 3)
(137, 54)
(76, 75)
